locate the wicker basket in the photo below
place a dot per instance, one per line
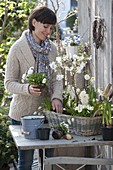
(84, 126)
(88, 126)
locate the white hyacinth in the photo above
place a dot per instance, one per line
(84, 97)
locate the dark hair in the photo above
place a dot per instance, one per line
(43, 15)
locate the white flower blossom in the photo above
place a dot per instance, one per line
(90, 107)
(53, 66)
(58, 59)
(59, 77)
(100, 92)
(79, 108)
(92, 80)
(82, 65)
(1, 70)
(79, 70)
(84, 98)
(80, 58)
(44, 81)
(87, 77)
(77, 90)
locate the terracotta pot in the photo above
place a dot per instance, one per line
(107, 133)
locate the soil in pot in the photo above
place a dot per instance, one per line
(107, 133)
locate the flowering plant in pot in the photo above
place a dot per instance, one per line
(31, 77)
(82, 108)
(82, 102)
(72, 40)
(61, 131)
(107, 124)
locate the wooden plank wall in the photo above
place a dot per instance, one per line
(101, 57)
(102, 62)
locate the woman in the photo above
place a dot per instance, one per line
(32, 49)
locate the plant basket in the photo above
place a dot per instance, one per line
(88, 126)
(84, 126)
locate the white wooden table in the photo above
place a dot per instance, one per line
(77, 141)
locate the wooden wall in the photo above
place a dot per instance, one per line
(102, 61)
(101, 57)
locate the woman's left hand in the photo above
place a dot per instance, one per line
(57, 105)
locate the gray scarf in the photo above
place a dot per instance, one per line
(40, 53)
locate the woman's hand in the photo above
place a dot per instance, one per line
(57, 105)
(33, 89)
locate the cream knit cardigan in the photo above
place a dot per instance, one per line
(19, 60)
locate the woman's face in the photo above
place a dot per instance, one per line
(41, 31)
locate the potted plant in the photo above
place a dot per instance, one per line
(107, 124)
(81, 104)
(38, 79)
(71, 43)
(82, 110)
(33, 78)
(61, 131)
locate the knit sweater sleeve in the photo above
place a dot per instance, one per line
(13, 76)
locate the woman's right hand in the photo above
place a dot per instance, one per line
(33, 89)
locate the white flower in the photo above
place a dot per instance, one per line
(90, 107)
(64, 125)
(100, 92)
(71, 91)
(30, 71)
(53, 65)
(79, 108)
(44, 81)
(87, 77)
(59, 77)
(58, 59)
(92, 80)
(1, 70)
(80, 58)
(84, 97)
(79, 70)
(77, 90)
(82, 65)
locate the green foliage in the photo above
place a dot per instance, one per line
(71, 17)
(47, 104)
(13, 20)
(64, 127)
(107, 113)
(39, 79)
(8, 151)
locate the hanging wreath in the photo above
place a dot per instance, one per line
(98, 31)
